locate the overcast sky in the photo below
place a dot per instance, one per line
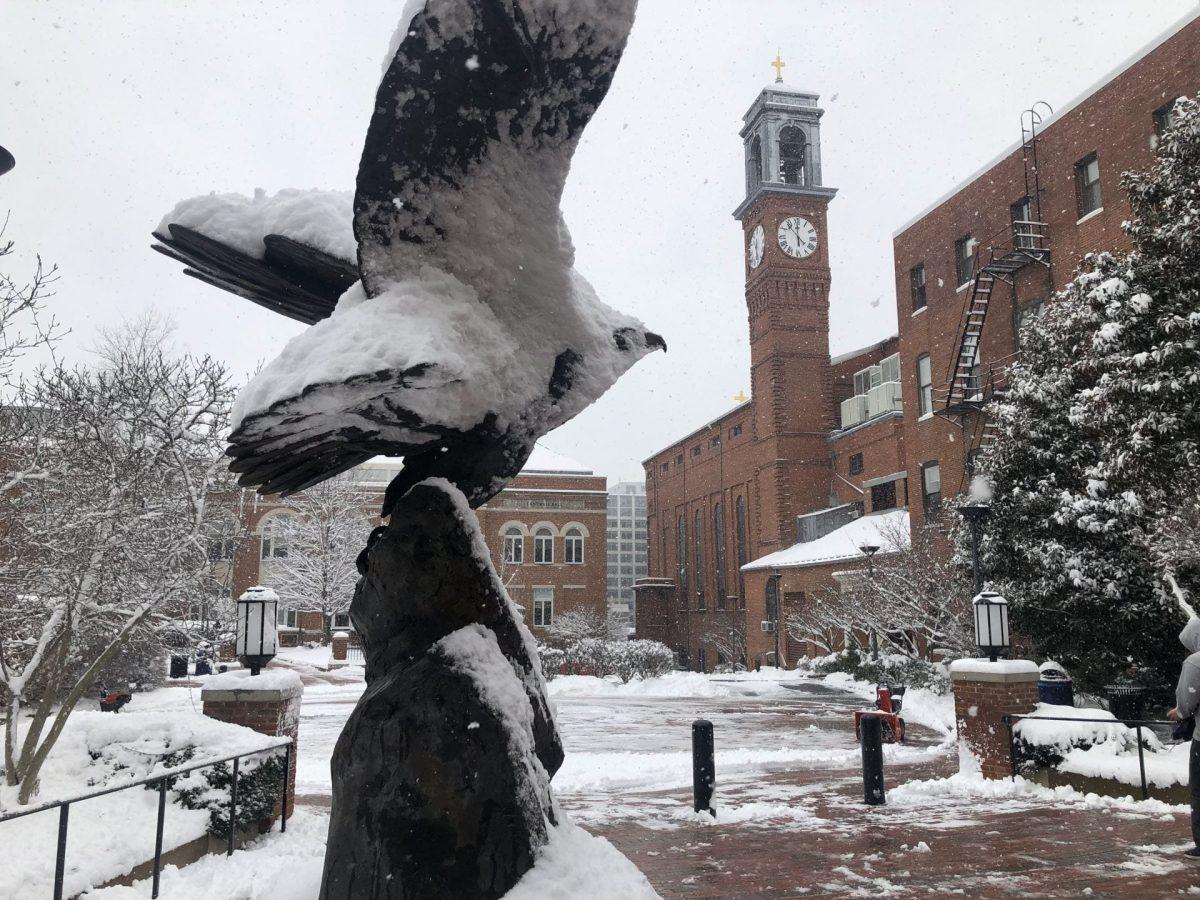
(117, 110)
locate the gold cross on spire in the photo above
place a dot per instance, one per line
(778, 65)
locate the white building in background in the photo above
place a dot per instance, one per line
(626, 547)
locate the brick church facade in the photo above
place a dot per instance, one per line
(894, 425)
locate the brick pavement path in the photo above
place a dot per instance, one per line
(836, 846)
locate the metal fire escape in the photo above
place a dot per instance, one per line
(1021, 243)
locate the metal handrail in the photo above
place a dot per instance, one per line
(1136, 724)
(161, 779)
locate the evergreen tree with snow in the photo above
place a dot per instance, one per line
(1098, 439)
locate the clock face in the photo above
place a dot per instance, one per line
(758, 243)
(797, 237)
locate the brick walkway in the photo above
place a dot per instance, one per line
(802, 829)
(833, 845)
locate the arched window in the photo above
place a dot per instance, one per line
(275, 537)
(740, 526)
(698, 537)
(543, 545)
(682, 551)
(573, 545)
(514, 546)
(754, 164)
(719, 551)
(792, 148)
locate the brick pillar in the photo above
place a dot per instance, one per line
(656, 614)
(985, 692)
(269, 703)
(341, 641)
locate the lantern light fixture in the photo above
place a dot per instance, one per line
(257, 634)
(991, 624)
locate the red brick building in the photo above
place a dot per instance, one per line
(895, 424)
(545, 532)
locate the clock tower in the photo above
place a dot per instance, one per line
(786, 251)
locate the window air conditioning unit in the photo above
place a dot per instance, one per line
(854, 411)
(768, 626)
(884, 398)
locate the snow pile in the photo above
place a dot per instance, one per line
(110, 835)
(274, 867)
(973, 788)
(1165, 766)
(1063, 736)
(320, 219)
(576, 865)
(272, 678)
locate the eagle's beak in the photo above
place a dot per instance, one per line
(655, 341)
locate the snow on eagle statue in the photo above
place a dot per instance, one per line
(461, 332)
(448, 326)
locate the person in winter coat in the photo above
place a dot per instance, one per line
(1187, 700)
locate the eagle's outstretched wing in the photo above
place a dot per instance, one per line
(475, 123)
(290, 278)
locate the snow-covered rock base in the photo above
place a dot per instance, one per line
(441, 777)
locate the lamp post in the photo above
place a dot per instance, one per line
(869, 551)
(991, 624)
(256, 627)
(975, 514)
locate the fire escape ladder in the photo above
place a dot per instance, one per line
(1023, 242)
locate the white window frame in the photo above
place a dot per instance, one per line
(573, 546)
(543, 546)
(543, 607)
(924, 385)
(270, 545)
(514, 546)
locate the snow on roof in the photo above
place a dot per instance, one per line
(840, 544)
(543, 459)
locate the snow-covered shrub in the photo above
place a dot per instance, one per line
(1044, 744)
(260, 783)
(890, 668)
(593, 656)
(641, 659)
(552, 660)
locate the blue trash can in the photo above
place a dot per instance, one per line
(1055, 685)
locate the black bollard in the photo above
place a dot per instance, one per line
(871, 730)
(703, 766)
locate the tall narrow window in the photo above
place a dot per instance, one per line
(1087, 184)
(772, 598)
(573, 546)
(792, 150)
(719, 553)
(964, 258)
(931, 488)
(856, 463)
(924, 385)
(916, 282)
(1021, 214)
(543, 607)
(543, 545)
(1164, 117)
(698, 537)
(754, 164)
(740, 536)
(682, 551)
(274, 537)
(514, 546)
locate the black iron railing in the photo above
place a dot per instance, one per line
(1136, 724)
(161, 779)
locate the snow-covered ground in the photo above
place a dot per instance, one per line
(109, 835)
(785, 753)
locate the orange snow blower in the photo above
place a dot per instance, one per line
(888, 701)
